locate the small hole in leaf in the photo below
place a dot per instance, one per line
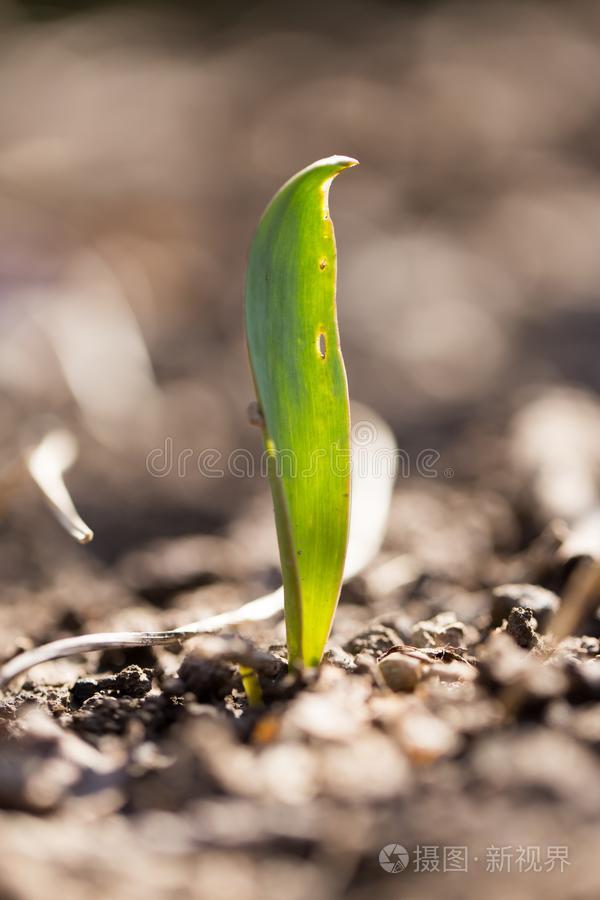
(322, 263)
(322, 345)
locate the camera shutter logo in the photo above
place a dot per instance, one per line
(393, 858)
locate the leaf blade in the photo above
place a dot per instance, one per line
(301, 386)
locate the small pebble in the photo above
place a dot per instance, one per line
(374, 640)
(453, 671)
(129, 682)
(541, 602)
(401, 672)
(521, 626)
(443, 630)
(425, 738)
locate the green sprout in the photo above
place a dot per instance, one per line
(302, 394)
(301, 387)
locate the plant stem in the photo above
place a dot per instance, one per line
(252, 687)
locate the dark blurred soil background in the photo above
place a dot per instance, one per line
(139, 144)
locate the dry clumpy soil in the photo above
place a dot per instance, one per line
(442, 717)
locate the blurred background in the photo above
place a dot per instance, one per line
(139, 144)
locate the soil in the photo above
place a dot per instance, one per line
(441, 718)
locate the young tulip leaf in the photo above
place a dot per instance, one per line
(302, 394)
